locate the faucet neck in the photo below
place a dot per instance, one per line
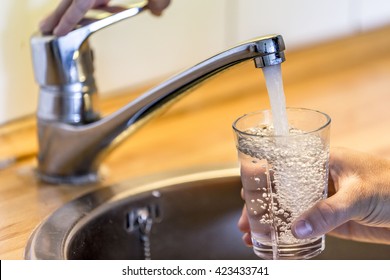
(72, 153)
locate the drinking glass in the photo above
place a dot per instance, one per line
(282, 177)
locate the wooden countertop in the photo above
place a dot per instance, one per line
(348, 78)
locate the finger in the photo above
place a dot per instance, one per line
(157, 6)
(243, 222)
(100, 3)
(243, 225)
(50, 22)
(324, 216)
(247, 239)
(72, 16)
(336, 210)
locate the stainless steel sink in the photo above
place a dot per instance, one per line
(190, 215)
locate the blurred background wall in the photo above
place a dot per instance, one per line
(147, 49)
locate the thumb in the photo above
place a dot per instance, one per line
(323, 217)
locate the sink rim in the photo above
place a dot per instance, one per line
(44, 240)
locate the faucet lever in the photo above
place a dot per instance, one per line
(63, 66)
(100, 17)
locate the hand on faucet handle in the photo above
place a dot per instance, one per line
(69, 12)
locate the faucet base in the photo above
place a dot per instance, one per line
(86, 179)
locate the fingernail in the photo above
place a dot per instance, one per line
(303, 229)
(42, 23)
(44, 26)
(58, 31)
(157, 13)
(247, 239)
(55, 31)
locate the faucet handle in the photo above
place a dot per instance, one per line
(63, 66)
(67, 56)
(103, 16)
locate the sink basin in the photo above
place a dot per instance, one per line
(187, 215)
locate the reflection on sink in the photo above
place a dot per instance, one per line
(177, 216)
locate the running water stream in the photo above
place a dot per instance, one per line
(274, 83)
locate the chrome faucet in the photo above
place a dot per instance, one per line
(72, 138)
